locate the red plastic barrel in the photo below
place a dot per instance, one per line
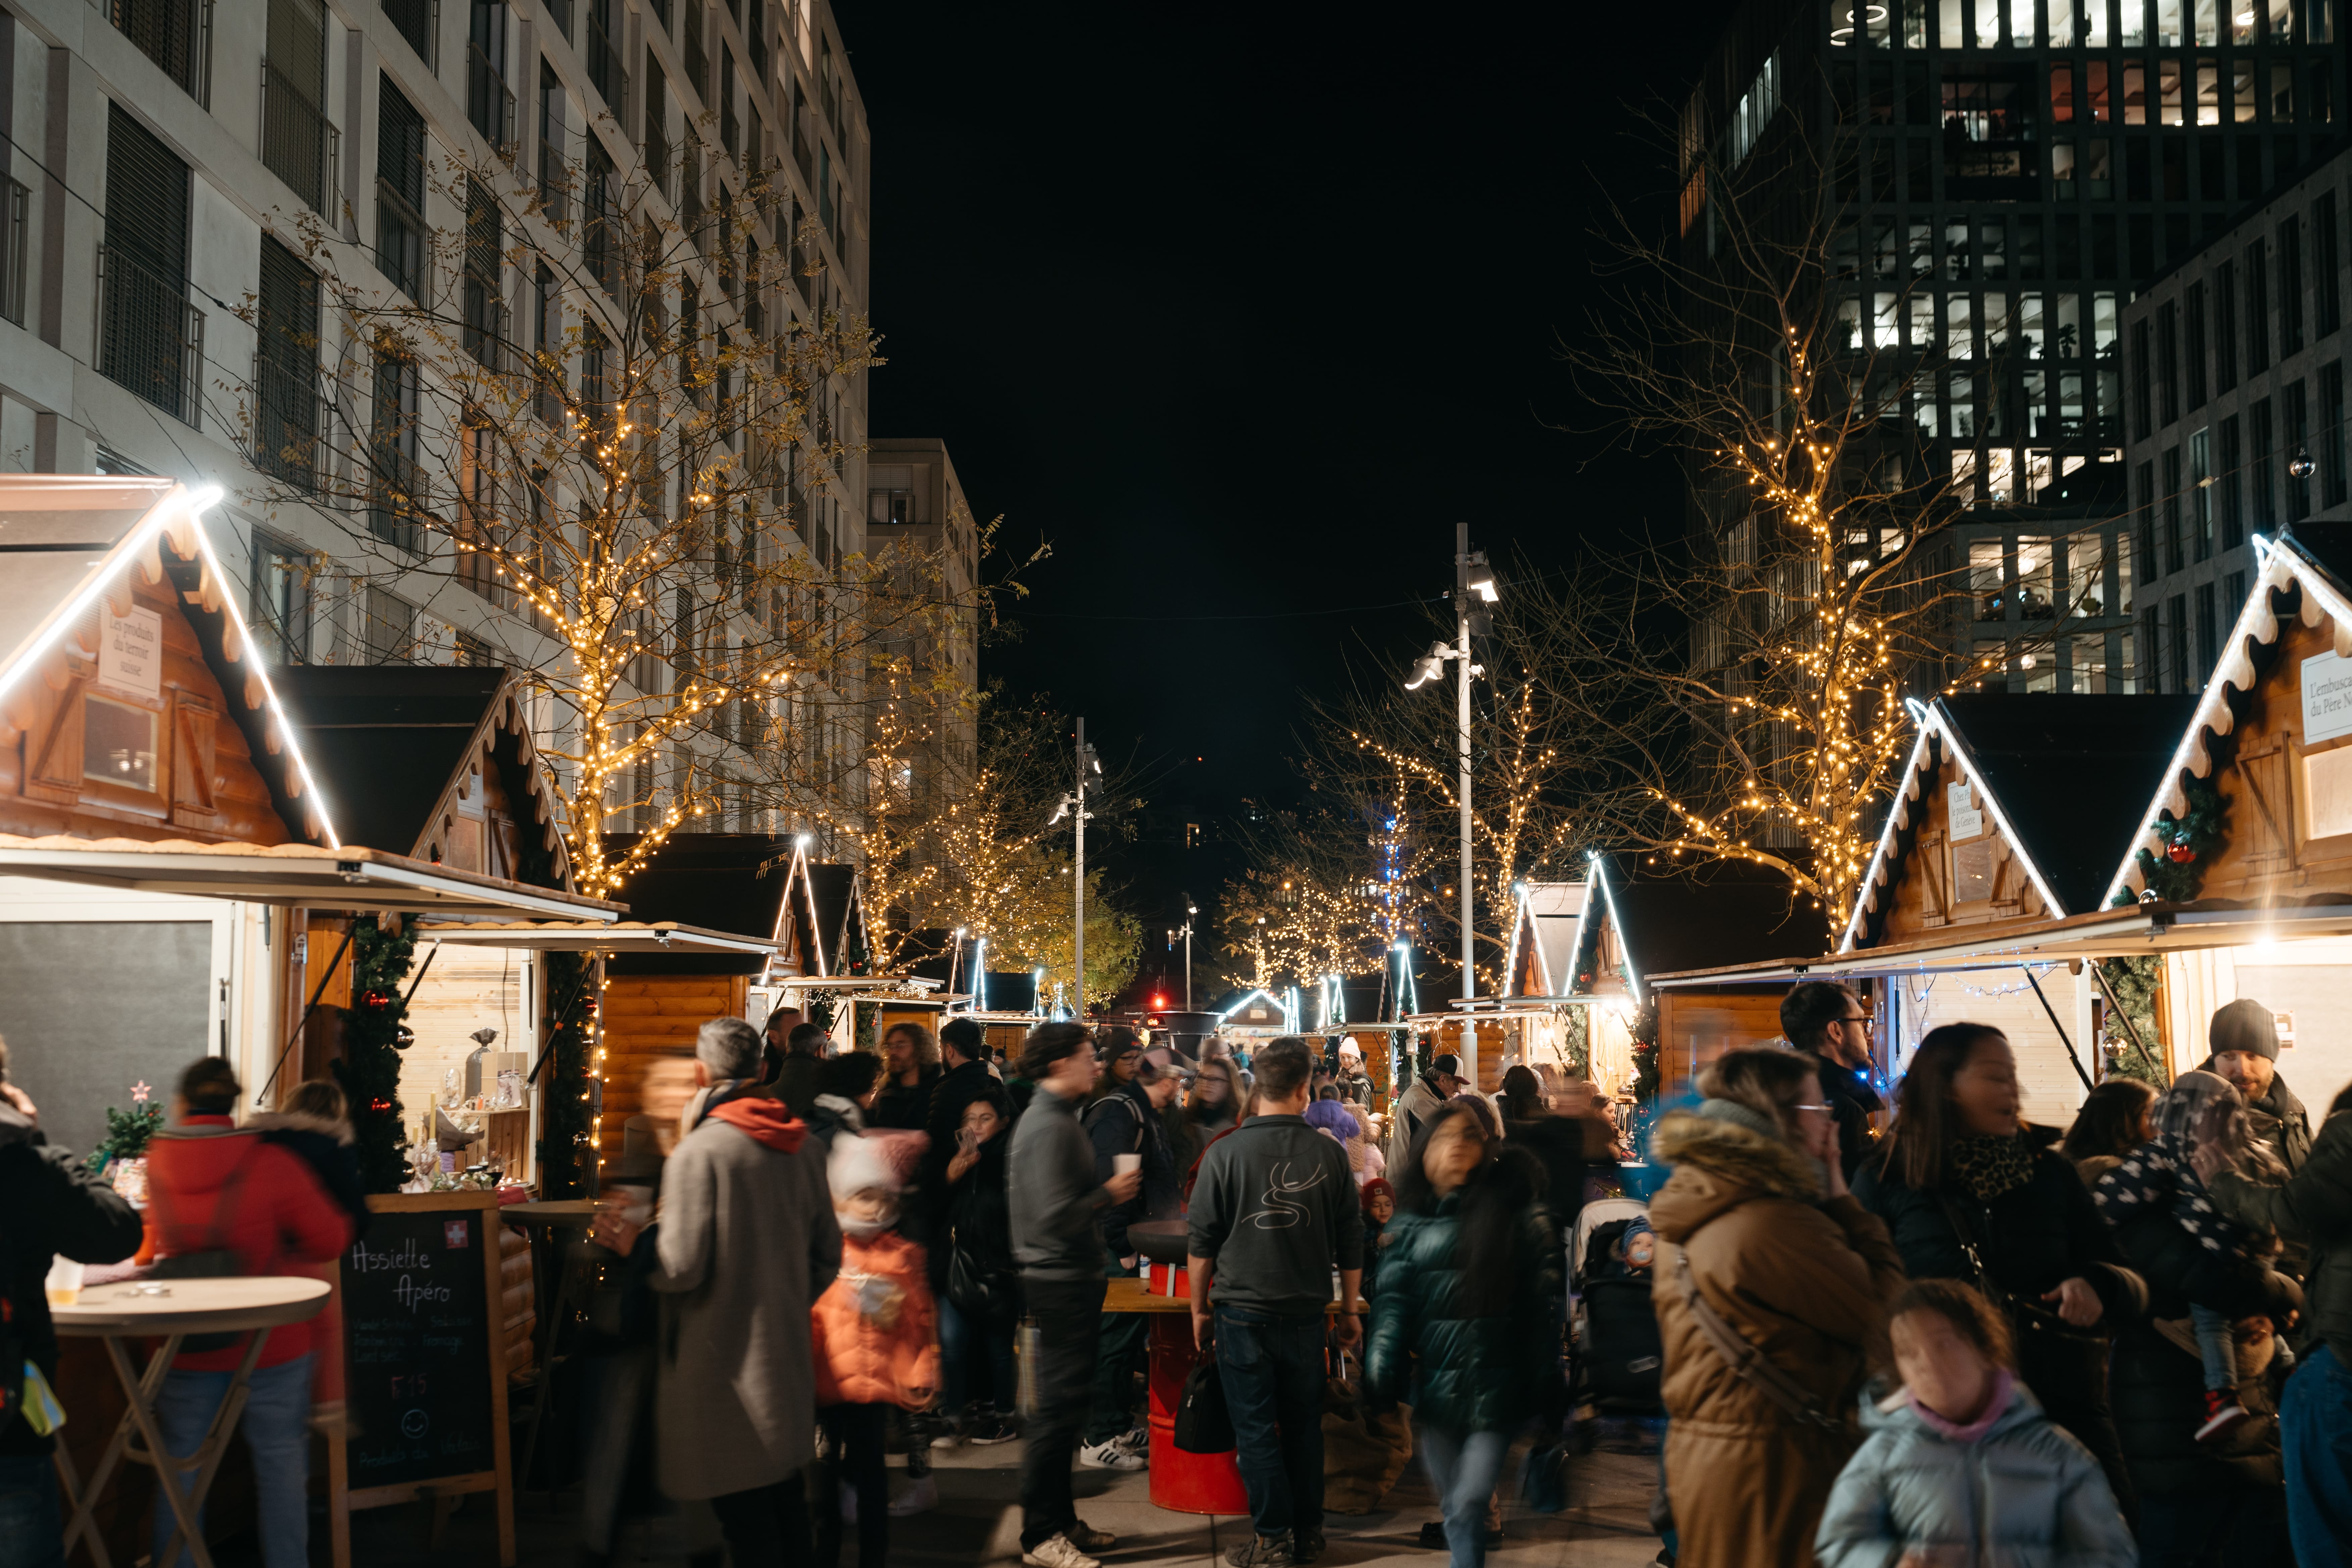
(1183, 1482)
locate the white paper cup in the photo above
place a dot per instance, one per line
(1126, 1164)
(63, 1286)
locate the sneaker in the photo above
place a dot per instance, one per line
(1087, 1538)
(1057, 1553)
(992, 1431)
(950, 1436)
(2223, 1415)
(1261, 1552)
(924, 1494)
(1135, 1440)
(1109, 1456)
(1306, 1546)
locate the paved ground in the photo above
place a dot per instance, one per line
(978, 1522)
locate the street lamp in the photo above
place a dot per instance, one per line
(1185, 930)
(1471, 576)
(1074, 804)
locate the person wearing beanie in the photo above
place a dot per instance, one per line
(1439, 1082)
(2243, 1040)
(873, 1338)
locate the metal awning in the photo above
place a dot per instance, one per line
(1492, 1007)
(2132, 933)
(587, 936)
(852, 983)
(345, 879)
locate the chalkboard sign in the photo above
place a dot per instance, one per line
(423, 1344)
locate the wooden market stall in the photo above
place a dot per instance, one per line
(2012, 809)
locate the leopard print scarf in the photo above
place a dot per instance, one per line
(1988, 1168)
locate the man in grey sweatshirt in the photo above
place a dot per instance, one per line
(1274, 1214)
(1055, 1202)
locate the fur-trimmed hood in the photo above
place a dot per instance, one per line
(1717, 1165)
(298, 1121)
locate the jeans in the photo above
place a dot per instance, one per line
(2217, 1347)
(976, 1361)
(1068, 1312)
(854, 1433)
(766, 1527)
(1464, 1468)
(276, 1422)
(32, 1525)
(1118, 1350)
(2316, 1426)
(1273, 1370)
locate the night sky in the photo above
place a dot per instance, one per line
(1243, 310)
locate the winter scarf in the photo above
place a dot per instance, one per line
(1988, 1168)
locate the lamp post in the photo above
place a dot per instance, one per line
(1185, 930)
(1471, 576)
(1075, 804)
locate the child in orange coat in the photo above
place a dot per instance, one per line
(874, 1334)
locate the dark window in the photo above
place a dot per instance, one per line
(2147, 527)
(657, 136)
(546, 341)
(413, 20)
(2331, 434)
(2209, 636)
(2233, 594)
(2225, 325)
(489, 103)
(281, 598)
(396, 483)
(2193, 341)
(15, 225)
(297, 142)
(2265, 468)
(150, 338)
(2175, 557)
(2233, 484)
(2201, 493)
(2168, 359)
(552, 180)
(2143, 421)
(600, 245)
(2327, 296)
(2297, 441)
(2289, 265)
(399, 191)
(2258, 306)
(2149, 670)
(285, 383)
(2177, 677)
(175, 34)
(485, 331)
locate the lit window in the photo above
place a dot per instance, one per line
(117, 744)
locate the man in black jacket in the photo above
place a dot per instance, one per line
(2243, 1040)
(51, 1208)
(1274, 1214)
(1056, 1200)
(801, 1078)
(1126, 1121)
(1833, 1022)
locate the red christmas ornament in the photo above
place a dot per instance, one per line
(380, 1106)
(374, 1001)
(2180, 854)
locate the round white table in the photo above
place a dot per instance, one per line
(172, 1310)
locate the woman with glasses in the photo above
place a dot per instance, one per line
(1772, 1285)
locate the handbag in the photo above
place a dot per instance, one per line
(1752, 1365)
(2065, 1366)
(219, 1261)
(993, 1296)
(1204, 1425)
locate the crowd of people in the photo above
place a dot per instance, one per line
(1915, 1334)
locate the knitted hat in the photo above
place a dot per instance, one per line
(2245, 1026)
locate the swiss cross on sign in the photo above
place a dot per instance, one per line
(457, 1234)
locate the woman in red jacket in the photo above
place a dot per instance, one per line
(213, 1186)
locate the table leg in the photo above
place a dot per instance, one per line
(214, 1446)
(70, 1485)
(546, 1371)
(183, 1506)
(140, 1390)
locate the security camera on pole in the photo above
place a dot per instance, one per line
(1076, 802)
(1471, 576)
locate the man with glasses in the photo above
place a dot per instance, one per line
(1831, 1022)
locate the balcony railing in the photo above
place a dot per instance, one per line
(177, 34)
(297, 142)
(396, 496)
(605, 72)
(149, 339)
(289, 413)
(489, 103)
(418, 21)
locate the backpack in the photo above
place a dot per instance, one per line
(219, 1261)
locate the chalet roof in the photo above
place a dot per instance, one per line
(1677, 916)
(722, 882)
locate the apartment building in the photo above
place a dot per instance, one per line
(158, 314)
(913, 498)
(2234, 360)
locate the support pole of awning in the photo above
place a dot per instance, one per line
(2099, 972)
(340, 949)
(2068, 1046)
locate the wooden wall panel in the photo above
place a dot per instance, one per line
(1931, 886)
(648, 1018)
(1696, 1026)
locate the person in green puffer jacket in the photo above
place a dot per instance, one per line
(1466, 1323)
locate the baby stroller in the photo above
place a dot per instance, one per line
(1615, 1354)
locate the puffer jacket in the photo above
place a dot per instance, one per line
(1459, 1373)
(874, 1334)
(2157, 1387)
(2314, 1209)
(1805, 1280)
(2025, 1494)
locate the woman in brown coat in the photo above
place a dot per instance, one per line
(1759, 1210)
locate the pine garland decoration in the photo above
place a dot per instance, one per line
(370, 1069)
(567, 1122)
(2189, 841)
